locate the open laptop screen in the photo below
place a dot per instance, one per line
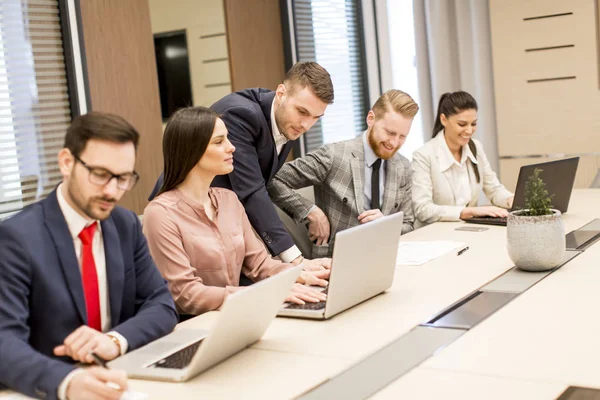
(559, 177)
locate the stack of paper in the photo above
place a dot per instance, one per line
(418, 253)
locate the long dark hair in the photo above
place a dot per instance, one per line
(451, 104)
(186, 138)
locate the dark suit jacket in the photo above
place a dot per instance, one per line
(247, 116)
(42, 300)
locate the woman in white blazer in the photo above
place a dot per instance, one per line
(451, 169)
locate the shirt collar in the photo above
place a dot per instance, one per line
(370, 156)
(75, 221)
(277, 136)
(194, 204)
(446, 159)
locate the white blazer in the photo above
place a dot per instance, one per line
(433, 193)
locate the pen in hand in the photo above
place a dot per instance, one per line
(103, 363)
(462, 251)
(99, 360)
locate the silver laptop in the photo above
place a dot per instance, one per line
(364, 260)
(185, 353)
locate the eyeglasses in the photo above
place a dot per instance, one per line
(101, 176)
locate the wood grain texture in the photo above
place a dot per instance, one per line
(123, 80)
(255, 43)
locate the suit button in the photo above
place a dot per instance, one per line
(344, 200)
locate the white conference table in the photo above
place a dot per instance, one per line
(418, 293)
(533, 348)
(294, 355)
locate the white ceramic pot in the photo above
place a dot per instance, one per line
(535, 243)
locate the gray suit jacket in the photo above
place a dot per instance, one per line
(337, 173)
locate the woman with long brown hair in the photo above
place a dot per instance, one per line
(200, 236)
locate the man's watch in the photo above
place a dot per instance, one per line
(116, 341)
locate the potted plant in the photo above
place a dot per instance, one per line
(536, 234)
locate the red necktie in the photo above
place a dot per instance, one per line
(90, 277)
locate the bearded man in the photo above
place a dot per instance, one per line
(355, 181)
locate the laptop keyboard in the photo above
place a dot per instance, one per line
(309, 306)
(179, 359)
(487, 220)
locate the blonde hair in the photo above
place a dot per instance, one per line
(397, 101)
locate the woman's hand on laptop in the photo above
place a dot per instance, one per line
(315, 272)
(483, 211)
(314, 278)
(301, 294)
(316, 264)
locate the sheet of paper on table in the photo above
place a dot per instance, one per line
(418, 253)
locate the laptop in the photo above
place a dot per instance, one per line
(183, 354)
(363, 264)
(559, 177)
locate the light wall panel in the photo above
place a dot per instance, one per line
(546, 78)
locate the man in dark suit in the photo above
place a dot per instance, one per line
(76, 275)
(262, 125)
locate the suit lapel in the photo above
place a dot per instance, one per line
(266, 104)
(115, 269)
(446, 173)
(357, 167)
(390, 185)
(58, 229)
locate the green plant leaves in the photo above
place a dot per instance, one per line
(537, 199)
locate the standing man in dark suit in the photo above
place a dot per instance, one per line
(76, 275)
(262, 125)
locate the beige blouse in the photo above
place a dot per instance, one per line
(202, 259)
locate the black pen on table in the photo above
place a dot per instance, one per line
(462, 251)
(103, 363)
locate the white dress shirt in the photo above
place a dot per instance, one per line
(76, 223)
(370, 159)
(461, 173)
(280, 140)
(278, 137)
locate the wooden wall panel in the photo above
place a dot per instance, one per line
(122, 79)
(255, 40)
(538, 114)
